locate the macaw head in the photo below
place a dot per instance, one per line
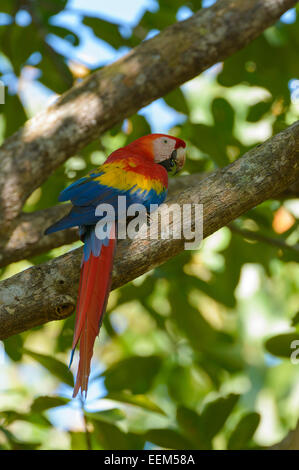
(168, 151)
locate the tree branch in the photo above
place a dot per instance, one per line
(290, 442)
(27, 237)
(48, 292)
(260, 237)
(117, 91)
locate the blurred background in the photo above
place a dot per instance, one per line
(196, 353)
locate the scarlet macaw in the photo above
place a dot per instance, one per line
(138, 172)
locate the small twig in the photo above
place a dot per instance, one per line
(87, 433)
(257, 236)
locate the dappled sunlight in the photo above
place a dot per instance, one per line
(204, 338)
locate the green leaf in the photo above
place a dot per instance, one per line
(195, 5)
(226, 355)
(254, 64)
(13, 347)
(281, 345)
(50, 190)
(110, 437)
(168, 439)
(244, 431)
(14, 113)
(57, 368)
(201, 428)
(209, 141)
(214, 139)
(223, 114)
(107, 416)
(55, 73)
(186, 385)
(215, 414)
(256, 112)
(138, 126)
(192, 323)
(105, 30)
(65, 34)
(18, 44)
(151, 20)
(10, 416)
(295, 319)
(192, 426)
(142, 401)
(134, 373)
(176, 100)
(43, 403)
(7, 6)
(78, 441)
(17, 444)
(49, 8)
(65, 338)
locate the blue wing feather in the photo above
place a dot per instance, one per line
(87, 193)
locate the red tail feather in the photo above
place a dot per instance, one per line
(94, 290)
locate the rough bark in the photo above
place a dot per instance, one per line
(48, 292)
(27, 239)
(106, 97)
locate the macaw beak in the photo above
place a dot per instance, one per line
(176, 161)
(179, 156)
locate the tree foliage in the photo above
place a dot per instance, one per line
(197, 353)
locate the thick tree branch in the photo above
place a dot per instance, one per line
(291, 192)
(48, 292)
(106, 97)
(27, 237)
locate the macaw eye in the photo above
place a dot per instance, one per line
(165, 141)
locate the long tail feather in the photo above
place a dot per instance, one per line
(94, 288)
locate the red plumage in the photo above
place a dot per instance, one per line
(94, 289)
(137, 171)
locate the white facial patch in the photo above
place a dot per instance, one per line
(163, 148)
